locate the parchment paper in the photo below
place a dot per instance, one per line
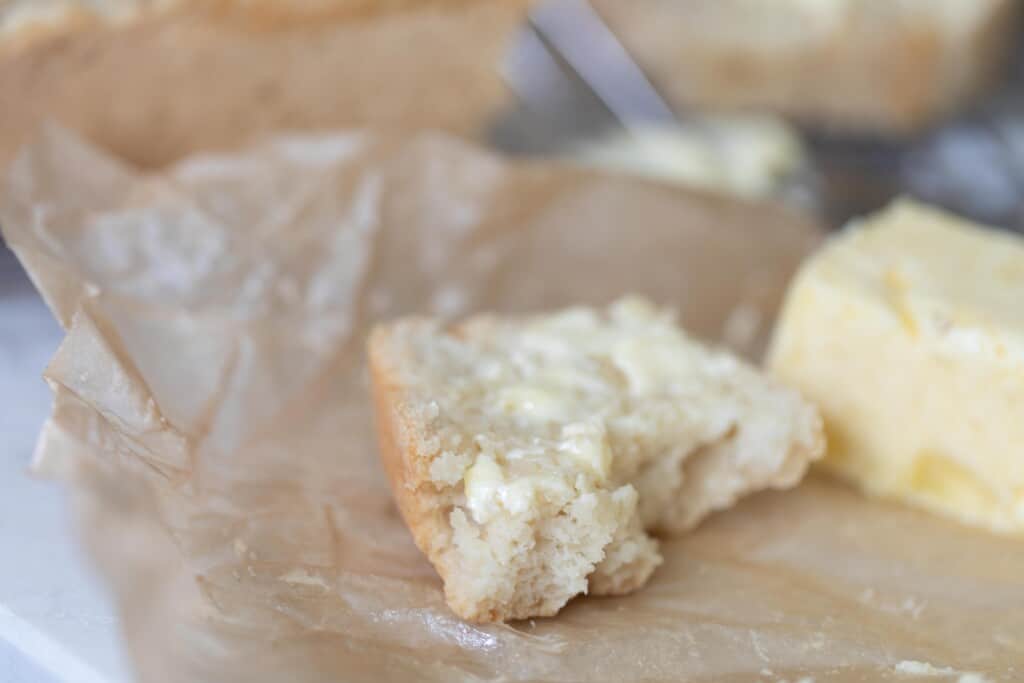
(211, 416)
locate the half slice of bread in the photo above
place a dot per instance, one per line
(531, 456)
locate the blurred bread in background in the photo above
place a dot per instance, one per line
(752, 157)
(888, 66)
(154, 81)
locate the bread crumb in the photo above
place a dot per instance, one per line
(304, 578)
(911, 667)
(971, 677)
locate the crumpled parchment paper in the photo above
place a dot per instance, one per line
(211, 415)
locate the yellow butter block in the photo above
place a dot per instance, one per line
(907, 329)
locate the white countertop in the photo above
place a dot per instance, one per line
(56, 622)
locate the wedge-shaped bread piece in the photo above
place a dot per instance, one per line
(530, 456)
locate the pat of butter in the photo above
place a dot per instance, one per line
(487, 490)
(482, 482)
(535, 400)
(587, 443)
(908, 331)
(650, 364)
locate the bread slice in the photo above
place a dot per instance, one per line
(531, 456)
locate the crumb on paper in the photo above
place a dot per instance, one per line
(971, 677)
(817, 641)
(911, 667)
(913, 608)
(304, 578)
(909, 606)
(240, 547)
(755, 640)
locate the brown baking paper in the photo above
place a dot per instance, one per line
(211, 414)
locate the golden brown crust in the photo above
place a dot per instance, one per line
(398, 452)
(417, 499)
(420, 503)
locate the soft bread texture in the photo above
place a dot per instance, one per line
(530, 457)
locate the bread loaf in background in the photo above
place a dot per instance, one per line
(883, 66)
(156, 81)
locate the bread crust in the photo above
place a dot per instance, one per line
(418, 500)
(399, 454)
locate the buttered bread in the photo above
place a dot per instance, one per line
(532, 456)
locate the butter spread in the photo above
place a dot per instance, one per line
(601, 395)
